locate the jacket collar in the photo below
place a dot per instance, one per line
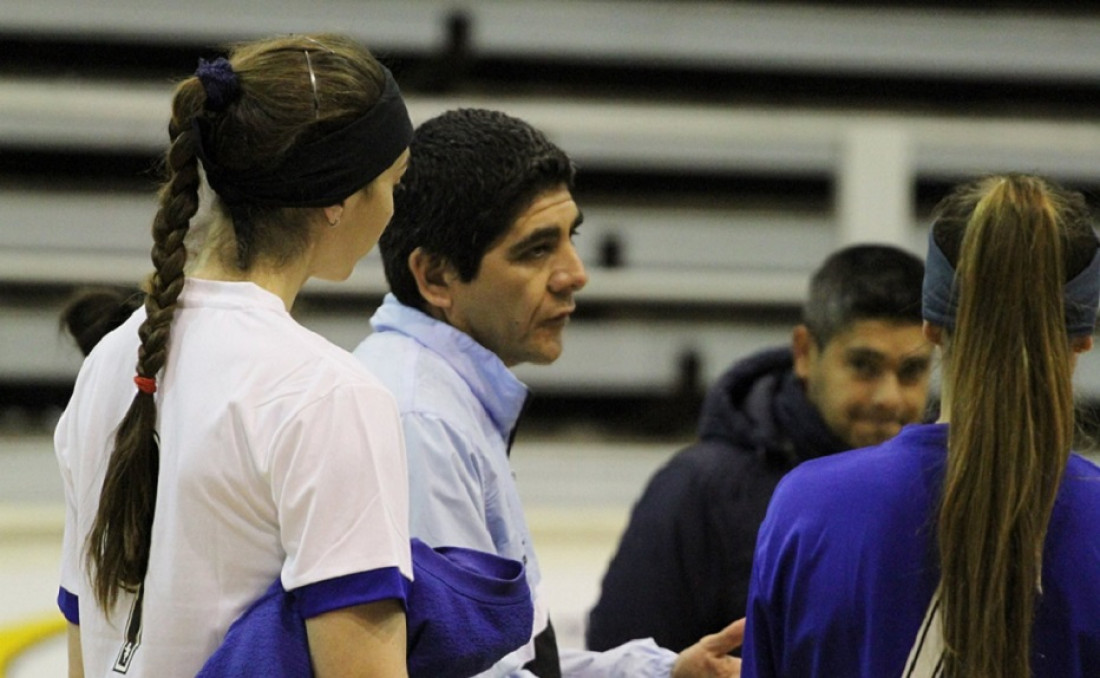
(492, 383)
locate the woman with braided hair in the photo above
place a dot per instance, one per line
(246, 449)
(965, 548)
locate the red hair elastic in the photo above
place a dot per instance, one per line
(146, 384)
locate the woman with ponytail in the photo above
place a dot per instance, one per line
(213, 445)
(967, 547)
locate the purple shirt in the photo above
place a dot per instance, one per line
(846, 565)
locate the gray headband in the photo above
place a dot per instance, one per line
(940, 302)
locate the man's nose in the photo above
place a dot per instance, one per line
(570, 275)
(888, 392)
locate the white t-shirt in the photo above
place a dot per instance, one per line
(280, 455)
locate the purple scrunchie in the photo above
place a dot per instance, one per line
(220, 83)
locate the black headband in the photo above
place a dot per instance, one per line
(323, 172)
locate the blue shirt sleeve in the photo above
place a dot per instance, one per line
(349, 590)
(756, 653)
(70, 606)
(636, 659)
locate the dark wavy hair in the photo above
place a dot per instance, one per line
(471, 174)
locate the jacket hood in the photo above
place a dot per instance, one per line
(759, 404)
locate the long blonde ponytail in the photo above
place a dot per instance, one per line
(1014, 241)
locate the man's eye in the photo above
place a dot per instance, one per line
(864, 368)
(911, 374)
(537, 252)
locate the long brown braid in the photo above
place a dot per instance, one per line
(119, 543)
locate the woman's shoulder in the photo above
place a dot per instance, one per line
(868, 479)
(1081, 484)
(296, 367)
(1084, 467)
(335, 364)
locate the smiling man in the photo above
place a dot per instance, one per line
(482, 271)
(857, 370)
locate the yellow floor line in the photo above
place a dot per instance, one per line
(18, 637)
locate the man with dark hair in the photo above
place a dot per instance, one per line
(480, 260)
(857, 371)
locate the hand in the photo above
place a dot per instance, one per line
(709, 658)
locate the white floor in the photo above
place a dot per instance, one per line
(577, 496)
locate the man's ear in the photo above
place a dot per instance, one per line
(434, 277)
(803, 349)
(933, 333)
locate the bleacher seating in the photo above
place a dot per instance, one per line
(724, 149)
